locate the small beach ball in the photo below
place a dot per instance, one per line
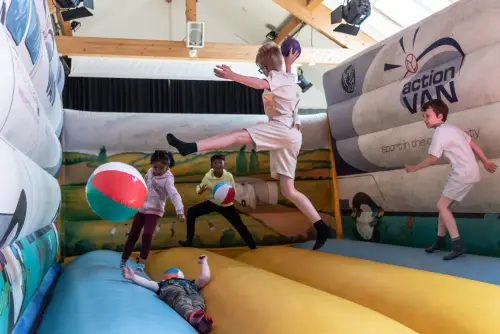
(223, 193)
(116, 191)
(172, 273)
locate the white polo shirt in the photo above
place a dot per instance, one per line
(281, 101)
(455, 144)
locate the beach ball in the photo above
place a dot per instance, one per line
(172, 273)
(116, 191)
(288, 45)
(223, 193)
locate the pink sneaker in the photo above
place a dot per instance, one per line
(205, 324)
(200, 321)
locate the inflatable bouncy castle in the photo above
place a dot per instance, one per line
(31, 118)
(60, 261)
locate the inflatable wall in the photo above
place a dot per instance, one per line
(93, 138)
(374, 108)
(31, 155)
(28, 26)
(24, 122)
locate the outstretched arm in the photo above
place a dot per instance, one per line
(129, 274)
(204, 277)
(430, 160)
(224, 72)
(488, 165)
(256, 83)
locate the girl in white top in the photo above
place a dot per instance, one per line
(281, 135)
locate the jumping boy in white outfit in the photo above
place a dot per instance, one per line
(281, 135)
(459, 148)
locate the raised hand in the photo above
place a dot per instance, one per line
(202, 259)
(291, 57)
(223, 72)
(203, 188)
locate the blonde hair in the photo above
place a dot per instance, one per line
(269, 56)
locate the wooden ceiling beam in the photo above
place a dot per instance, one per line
(190, 10)
(51, 6)
(319, 19)
(313, 4)
(177, 50)
(291, 25)
(65, 25)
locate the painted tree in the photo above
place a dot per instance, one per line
(102, 157)
(254, 162)
(241, 161)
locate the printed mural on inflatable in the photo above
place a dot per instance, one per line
(30, 123)
(374, 107)
(268, 215)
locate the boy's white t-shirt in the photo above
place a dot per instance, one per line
(455, 144)
(281, 101)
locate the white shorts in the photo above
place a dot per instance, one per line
(283, 142)
(456, 190)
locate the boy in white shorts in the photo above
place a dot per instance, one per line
(281, 135)
(459, 148)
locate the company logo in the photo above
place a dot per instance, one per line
(50, 90)
(348, 79)
(434, 78)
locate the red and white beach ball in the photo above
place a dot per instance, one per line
(116, 191)
(223, 193)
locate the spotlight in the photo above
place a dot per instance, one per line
(271, 35)
(75, 25)
(354, 13)
(303, 83)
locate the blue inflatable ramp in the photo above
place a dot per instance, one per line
(91, 296)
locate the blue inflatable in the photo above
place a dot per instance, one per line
(91, 296)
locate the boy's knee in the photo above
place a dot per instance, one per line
(442, 205)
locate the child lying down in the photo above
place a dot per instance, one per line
(179, 293)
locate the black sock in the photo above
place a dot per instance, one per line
(456, 244)
(322, 232)
(456, 249)
(441, 241)
(183, 148)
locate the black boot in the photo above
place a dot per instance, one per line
(457, 249)
(440, 243)
(322, 233)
